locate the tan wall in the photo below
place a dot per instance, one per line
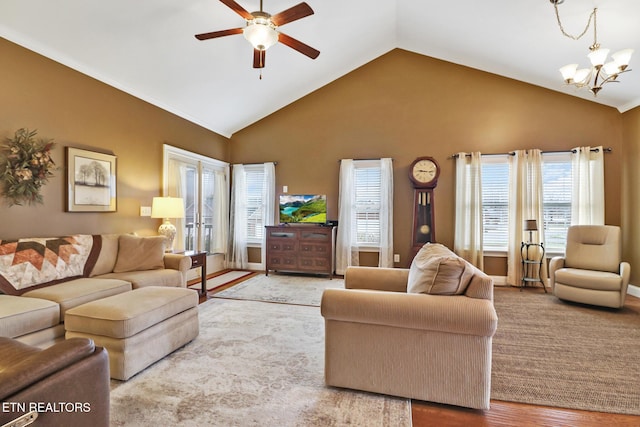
(631, 191)
(78, 111)
(403, 105)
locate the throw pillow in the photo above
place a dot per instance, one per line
(108, 255)
(437, 271)
(139, 253)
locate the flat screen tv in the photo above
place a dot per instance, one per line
(303, 208)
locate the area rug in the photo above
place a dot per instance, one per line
(222, 279)
(553, 353)
(253, 364)
(282, 288)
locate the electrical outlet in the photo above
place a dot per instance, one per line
(285, 188)
(145, 210)
(396, 257)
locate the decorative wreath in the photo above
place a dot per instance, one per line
(25, 166)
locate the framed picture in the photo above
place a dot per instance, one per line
(91, 181)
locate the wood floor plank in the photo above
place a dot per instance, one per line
(509, 414)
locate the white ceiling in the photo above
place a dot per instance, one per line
(147, 47)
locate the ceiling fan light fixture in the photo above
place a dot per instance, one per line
(261, 33)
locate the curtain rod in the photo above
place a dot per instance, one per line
(253, 164)
(357, 160)
(512, 153)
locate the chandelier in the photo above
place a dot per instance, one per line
(601, 71)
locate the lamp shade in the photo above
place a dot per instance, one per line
(569, 72)
(622, 57)
(167, 207)
(598, 57)
(530, 225)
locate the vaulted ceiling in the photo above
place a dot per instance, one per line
(147, 47)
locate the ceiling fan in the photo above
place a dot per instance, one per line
(262, 30)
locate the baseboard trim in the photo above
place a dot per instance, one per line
(502, 281)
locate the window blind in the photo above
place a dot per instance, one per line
(367, 202)
(495, 203)
(557, 195)
(254, 177)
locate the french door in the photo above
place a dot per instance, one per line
(202, 183)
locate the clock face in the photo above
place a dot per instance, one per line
(424, 171)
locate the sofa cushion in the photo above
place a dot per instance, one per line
(20, 316)
(122, 316)
(35, 262)
(139, 253)
(79, 291)
(142, 279)
(108, 254)
(438, 271)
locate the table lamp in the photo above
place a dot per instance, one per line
(530, 225)
(167, 207)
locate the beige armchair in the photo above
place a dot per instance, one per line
(591, 272)
(381, 339)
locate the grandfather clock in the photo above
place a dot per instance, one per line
(424, 173)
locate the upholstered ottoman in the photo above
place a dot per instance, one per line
(137, 328)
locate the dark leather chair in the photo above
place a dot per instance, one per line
(66, 384)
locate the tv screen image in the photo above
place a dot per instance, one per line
(303, 208)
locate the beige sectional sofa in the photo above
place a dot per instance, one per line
(42, 278)
(423, 333)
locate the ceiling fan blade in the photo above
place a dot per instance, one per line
(214, 34)
(259, 57)
(292, 14)
(238, 9)
(298, 45)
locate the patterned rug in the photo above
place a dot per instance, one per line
(545, 352)
(253, 364)
(282, 288)
(552, 353)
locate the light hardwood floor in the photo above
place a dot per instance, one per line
(506, 414)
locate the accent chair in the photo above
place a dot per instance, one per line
(591, 271)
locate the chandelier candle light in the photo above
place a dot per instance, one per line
(167, 207)
(601, 72)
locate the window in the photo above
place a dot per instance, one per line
(202, 182)
(557, 195)
(495, 203)
(255, 180)
(367, 202)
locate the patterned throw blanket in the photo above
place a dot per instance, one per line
(26, 264)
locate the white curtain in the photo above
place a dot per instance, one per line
(468, 214)
(525, 202)
(268, 203)
(385, 257)
(347, 252)
(587, 206)
(220, 213)
(237, 255)
(177, 187)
